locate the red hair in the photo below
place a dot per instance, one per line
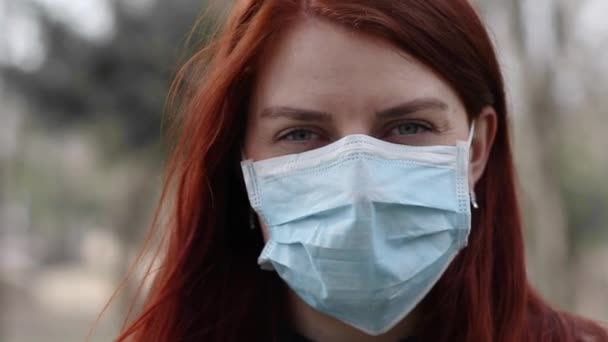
(209, 286)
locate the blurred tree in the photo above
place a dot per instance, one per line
(538, 45)
(114, 90)
(540, 124)
(124, 80)
(530, 72)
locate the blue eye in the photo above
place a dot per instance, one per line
(300, 135)
(410, 128)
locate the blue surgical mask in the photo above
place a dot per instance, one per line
(362, 229)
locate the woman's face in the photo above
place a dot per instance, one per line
(320, 82)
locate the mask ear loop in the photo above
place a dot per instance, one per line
(471, 133)
(472, 194)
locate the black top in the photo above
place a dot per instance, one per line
(292, 336)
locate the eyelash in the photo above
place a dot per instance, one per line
(292, 132)
(424, 126)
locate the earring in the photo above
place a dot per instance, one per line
(474, 200)
(252, 220)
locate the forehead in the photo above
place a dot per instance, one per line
(325, 65)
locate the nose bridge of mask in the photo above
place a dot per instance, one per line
(358, 144)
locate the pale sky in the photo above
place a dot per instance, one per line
(92, 19)
(592, 22)
(22, 42)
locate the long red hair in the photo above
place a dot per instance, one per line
(209, 287)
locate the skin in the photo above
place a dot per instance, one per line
(320, 82)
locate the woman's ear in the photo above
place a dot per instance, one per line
(483, 139)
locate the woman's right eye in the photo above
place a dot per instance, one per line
(300, 135)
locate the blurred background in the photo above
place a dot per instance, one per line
(82, 90)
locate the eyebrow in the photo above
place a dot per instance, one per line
(413, 106)
(307, 115)
(295, 114)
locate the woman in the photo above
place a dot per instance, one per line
(358, 151)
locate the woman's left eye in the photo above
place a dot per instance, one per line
(410, 128)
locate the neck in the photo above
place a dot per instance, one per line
(317, 326)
